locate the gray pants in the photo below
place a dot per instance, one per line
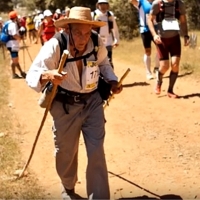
(89, 119)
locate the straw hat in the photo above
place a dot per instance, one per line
(79, 15)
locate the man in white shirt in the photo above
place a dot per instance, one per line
(13, 44)
(109, 33)
(77, 105)
(144, 7)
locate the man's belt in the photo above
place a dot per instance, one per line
(69, 97)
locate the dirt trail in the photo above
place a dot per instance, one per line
(152, 141)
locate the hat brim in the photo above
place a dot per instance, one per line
(62, 23)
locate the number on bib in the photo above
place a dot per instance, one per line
(92, 75)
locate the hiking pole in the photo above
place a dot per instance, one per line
(20, 173)
(148, 191)
(27, 50)
(24, 56)
(119, 84)
(3, 50)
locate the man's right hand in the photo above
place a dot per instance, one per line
(157, 39)
(53, 76)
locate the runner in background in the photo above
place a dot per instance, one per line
(109, 33)
(47, 29)
(41, 17)
(171, 16)
(30, 26)
(13, 45)
(57, 15)
(37, 20)
(144, 7)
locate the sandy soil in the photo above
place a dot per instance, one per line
(152, 141)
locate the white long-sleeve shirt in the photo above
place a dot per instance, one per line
(48, 59)
(13, 30)
(107, 37)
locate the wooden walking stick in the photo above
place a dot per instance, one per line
(3, 50)
(20, 173)
(120, 82)
(25, 46)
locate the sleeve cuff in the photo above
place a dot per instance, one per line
(33, 80)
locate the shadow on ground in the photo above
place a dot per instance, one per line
(135, 84)
(167, 196)
(187, 96)
(24, 47)
(182, 75)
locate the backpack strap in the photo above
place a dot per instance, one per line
(63, 45)
(177, 11)
(94, 37)
(110, 23)
(161, 15)
(94, 16)
(109, 13)
(62, 42)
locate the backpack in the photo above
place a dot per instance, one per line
(161, 15)
(4, 36)
(110, 22)
(104, 87)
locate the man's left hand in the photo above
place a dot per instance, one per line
(115, 88)
(186, 40)
(115, 45)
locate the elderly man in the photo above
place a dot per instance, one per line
(78, 105)
(168, 14)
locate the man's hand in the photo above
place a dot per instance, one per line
(115, 88)
(157, 39)
(115, 45)
(186, 40)
(53, 76)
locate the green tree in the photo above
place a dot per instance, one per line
(127, 18)
(6, 6)
(193, 13)
(126, 14)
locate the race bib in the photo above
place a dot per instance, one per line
(104, 39)
(92, 75)
(170, 24)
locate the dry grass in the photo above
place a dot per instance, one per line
(132, 52)
(10, 156)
